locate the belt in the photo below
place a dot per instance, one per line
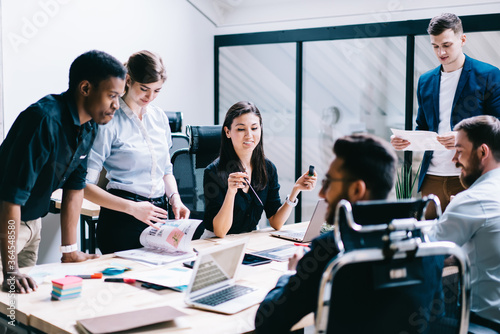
(158, 201)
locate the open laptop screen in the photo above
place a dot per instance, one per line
(217, 266)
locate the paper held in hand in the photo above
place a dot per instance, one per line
(420, 140)
(172, 242)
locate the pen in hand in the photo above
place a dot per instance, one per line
(248, 182)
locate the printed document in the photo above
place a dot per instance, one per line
(420, 140)
(172, 242)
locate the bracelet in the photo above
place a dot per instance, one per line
(170, 197)
(69, 248)
(292, 204)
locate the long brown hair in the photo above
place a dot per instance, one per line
(229, 162)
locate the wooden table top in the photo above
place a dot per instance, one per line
(37, 310)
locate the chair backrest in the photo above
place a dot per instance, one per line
(204, 143)
(410, 291)
(174, 120)
(183, 171)
(179, 140)
(349, 219)
(189, 165)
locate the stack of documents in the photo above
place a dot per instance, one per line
(66, 288)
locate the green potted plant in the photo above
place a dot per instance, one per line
(405, 180)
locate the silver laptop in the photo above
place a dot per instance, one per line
(312, 230)
(213, 286)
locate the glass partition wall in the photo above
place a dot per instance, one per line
(265, 75)
(315, 85)
(346, 91)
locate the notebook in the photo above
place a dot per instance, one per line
(129, 320)
(212, 286)
(312, 230)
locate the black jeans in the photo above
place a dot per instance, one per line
(118, 231)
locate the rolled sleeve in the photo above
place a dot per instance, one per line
(169, 169)
(76, 180)
(101, 150)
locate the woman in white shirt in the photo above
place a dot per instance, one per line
(134, 150)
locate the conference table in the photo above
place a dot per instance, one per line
(37, 311)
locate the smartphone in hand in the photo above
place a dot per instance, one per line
(311, 170)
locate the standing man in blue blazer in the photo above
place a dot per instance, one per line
(461, 87)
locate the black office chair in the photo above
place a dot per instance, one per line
(405, 281)
(378, 213)
(189, 165)
(179, 140)
(204, 143)
(175, 120)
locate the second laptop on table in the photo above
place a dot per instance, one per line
(213, 286)
(313, 229)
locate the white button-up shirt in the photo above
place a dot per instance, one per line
(134, 152)
(472, 220)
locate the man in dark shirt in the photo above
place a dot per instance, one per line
(364, 169)
(46, 149)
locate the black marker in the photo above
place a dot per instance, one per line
(120, 280)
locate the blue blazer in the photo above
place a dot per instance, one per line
(478, 93)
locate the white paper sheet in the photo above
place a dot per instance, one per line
(420, 140)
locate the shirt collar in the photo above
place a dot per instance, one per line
(494, 173)
(73, 111)
(126, 109)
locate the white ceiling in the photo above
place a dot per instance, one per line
(224, 13)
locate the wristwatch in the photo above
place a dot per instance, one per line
(69, 248)
(292, 204)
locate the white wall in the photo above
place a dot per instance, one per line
(42, 37)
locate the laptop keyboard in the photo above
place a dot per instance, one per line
(224, 295)
(208, 274)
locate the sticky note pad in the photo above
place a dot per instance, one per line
(67, 282)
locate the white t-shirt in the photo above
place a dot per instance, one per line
(441, 163)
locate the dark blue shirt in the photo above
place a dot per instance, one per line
(296, 296)
(247, 208)
(45, 149)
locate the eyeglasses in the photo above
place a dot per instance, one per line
(328, 179)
